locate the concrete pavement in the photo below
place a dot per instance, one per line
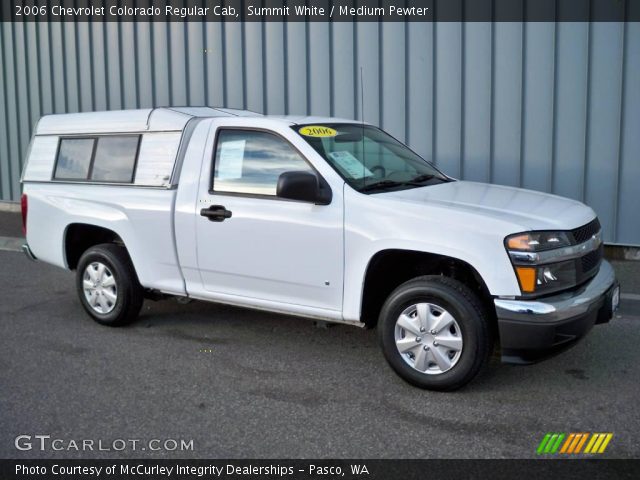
(256, 385)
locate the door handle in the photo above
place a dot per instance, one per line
(216, 213)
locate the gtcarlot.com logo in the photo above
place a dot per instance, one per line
(47, 443)
(574, 443)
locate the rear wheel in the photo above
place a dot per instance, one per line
(434, 333)
(108, 286)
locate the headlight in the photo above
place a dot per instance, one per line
(549, 261)
(539, 260)
(537, 241)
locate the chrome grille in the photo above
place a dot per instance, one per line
(591, 260)
(585, 232)
(587, 265)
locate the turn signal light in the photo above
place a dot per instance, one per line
(519, 242)
(527, 279)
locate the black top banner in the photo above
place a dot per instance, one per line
(320, 10)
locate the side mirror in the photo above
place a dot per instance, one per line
(304, 187)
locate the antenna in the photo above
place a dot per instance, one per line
(364, 163)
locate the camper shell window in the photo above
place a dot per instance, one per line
(104, 159)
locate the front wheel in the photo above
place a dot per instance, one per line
(108, 286)
(434, 333)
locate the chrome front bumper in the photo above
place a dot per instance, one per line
(530, 330)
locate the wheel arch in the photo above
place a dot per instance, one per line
(389, 268)
(78, 237)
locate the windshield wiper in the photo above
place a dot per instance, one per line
(422, 178)
(383, 184)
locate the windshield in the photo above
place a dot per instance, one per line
(369, 159)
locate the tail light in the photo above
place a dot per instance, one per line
(24, 205)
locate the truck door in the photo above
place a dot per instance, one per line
(254, 248)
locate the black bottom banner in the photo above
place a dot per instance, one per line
(318, 469)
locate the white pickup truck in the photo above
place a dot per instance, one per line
(316, 217)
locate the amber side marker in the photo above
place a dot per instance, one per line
(527, 279)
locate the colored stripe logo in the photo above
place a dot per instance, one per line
(574, 443)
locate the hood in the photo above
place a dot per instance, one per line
(529, 209)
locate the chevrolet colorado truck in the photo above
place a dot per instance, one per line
(322, 218)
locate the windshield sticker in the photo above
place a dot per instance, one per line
(317, 131)
(230, 160)
(354, 167)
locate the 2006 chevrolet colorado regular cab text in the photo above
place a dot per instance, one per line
(315, 217)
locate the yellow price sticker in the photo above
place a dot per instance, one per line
(317, 131)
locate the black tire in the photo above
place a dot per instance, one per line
(463, 305)
(130, 294)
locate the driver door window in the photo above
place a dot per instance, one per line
(250, 162)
